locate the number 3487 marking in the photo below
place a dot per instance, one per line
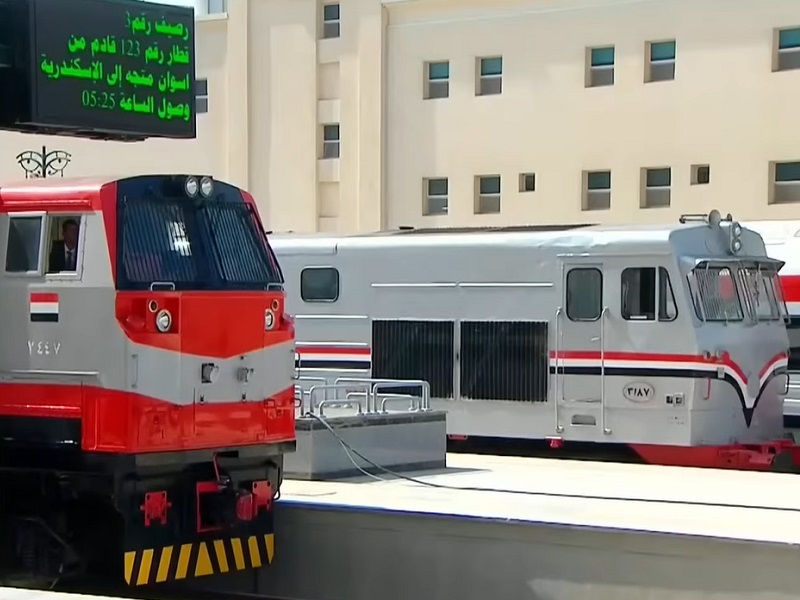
(95, 99)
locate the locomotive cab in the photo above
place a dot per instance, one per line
(147, 395)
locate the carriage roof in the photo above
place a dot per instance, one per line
(625, 239)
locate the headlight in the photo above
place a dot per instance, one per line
(206, 186)
(269, 319)
(191, 186)
(163, 321)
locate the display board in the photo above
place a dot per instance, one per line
(119, 67)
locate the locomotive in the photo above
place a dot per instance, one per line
(782, 240)
(146, 380)
(668, 339)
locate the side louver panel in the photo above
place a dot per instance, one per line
(504, 360)
(415, 350)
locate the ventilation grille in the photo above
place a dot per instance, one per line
(414, 350)
(504, 360)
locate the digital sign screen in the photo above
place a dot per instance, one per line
(112, 66)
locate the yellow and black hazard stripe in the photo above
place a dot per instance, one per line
(198, 559)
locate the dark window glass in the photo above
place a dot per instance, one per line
(24, 242)
(584, 294)
(319, 284)
(165, 236)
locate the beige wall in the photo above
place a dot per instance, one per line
(273, 83)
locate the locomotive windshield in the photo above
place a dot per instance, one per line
(196, 243)
(736, 292)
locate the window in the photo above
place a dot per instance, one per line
(63, 244)
(763, 290)
(657, 184)
(330, 21)
(24, 248)
(435, 201)
(201, 96)
(527, 182)
(701, 174)
(600, 70)
(786, 182)
(319, 284)
(714, 294)
(487, 198)
(437, 79)
(639, 297)
(330, 141)
(162, 236)
(490, 79)
(584, 294)
(597, 190)
(217, 6)
(661, 63)
(787, 53)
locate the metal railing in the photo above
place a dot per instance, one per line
(366, 395)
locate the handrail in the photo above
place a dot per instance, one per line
(415, 404)
(603, 371)
(321, 406)
(329, 386)
(425, 401)
(378, 383)
(559, 428)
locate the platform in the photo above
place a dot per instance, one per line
(553, 530)
(738, 505)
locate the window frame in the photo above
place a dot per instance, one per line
(480, 196)
(567, 295)
(589, 192)
(652, 191)
(696, 296)
(201, 100)
(657, 299)
(78, 272)
(39, 272)
(523, 182)
(337, 22)
(321, 268)
(655, 63)
(789, 186)
(428, 196)
(593, 69)
(482, 78)
(217, 7)
(331, 143)
(779, 52)
(432, 83)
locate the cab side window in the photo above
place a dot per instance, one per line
(319, 284)
(584, 294)
(23, 252)
(639, 285)
(63, 250)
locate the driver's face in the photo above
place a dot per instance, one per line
(71, 236)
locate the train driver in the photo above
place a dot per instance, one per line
(64, 253)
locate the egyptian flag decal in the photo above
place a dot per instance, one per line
(44, 307)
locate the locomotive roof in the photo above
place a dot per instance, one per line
(636, 237)
(56, 193)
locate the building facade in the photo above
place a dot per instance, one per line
(365, 114)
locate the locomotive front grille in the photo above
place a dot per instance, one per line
(504, 360)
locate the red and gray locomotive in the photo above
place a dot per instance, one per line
(146, 379)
